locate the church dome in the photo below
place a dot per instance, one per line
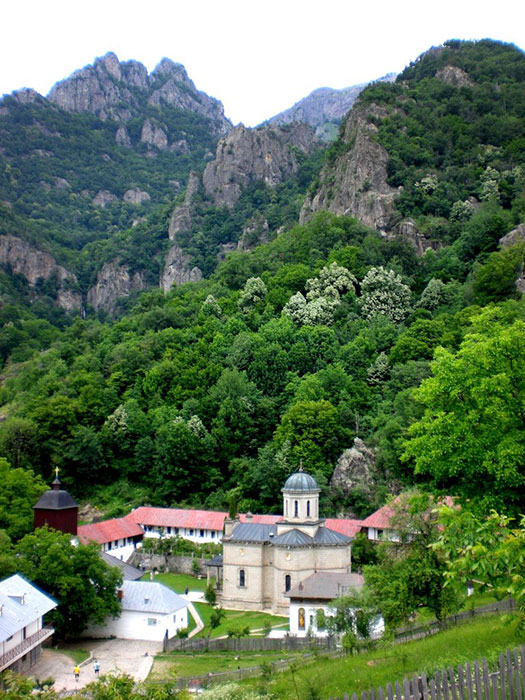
(300, 481)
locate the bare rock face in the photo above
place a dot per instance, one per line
(247, 155)
(355, 469)
(408, 230)
(103, 198)
(254, 233)
(517, 235)
(27, 96)
(122, 137)
(177, 269)
(114, 90)
(178, 90)
(454, 76)
(181, 217)
(356, 183)
(136, 196)
(113, 282)
(35, 264)
(153, 135)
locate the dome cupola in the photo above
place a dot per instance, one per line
(301, 497)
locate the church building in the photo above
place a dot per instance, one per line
(262, 562)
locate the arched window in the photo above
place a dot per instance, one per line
(242, 578)
(301, 618)
(307, 509)
(287, 582)
(296, 509)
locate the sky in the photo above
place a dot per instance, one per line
(258, 58)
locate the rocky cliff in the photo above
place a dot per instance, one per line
(116, 90)
(178, 269)
(355, 183)
(323, 106)
(113, 282)
(36, 265)
(267, 154)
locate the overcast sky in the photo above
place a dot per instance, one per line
(258, 58)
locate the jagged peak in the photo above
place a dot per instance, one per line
(167, 66)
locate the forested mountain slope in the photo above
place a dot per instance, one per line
(291, 348)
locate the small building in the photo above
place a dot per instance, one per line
(317, 592)
(118, 536)
(23, 607)
(56, 509)
(129, 573)
(150, 611)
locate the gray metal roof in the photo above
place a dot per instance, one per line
(251, 532)
(129, 573)
(300, 481)
(149, 596)
(56, 499)
(326, 585)
(217, 560)
(325, 535)
(22, 603)
(293, 538)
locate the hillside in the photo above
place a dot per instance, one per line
(289, 341)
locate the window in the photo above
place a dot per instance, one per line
(176, 530)
(307, 509)
(168, 530)
(242, 578)
(301, 618)
(296, 509)
(213, 534)
(152, 621)
(202, 533)
(191, 533)
(287, 582)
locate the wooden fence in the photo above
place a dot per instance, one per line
(468, 682)
(288, 643)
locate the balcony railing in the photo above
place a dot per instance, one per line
(25, 646)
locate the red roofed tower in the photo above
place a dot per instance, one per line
(57, 509)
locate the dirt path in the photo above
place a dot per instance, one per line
(134, 658)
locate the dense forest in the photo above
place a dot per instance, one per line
(284, 354)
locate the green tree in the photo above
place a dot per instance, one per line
(489, 549)
(383, 293)
(409, 572)
(20, 489)
(76, 576)
(471, 438)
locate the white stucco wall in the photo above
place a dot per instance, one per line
(141, 625)
(310, 614)
(198, 535)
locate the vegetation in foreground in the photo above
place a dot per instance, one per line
(486, 638)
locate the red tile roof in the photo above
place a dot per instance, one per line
(178, 517)
(108, 531)
(260, 519)
(380, 519)
(345, 526)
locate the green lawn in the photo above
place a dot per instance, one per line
(476, 600)
(238, 618)
(180, 664)
(77, 654)
(179, 582)
(485, 637)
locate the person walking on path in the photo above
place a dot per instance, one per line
(76, 671)
(96, 667)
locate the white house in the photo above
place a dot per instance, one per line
(317, 592)
(150, 611)
(22, 630)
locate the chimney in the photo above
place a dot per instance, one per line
(229, 526)
(248, 517)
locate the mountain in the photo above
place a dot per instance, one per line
(424, 155)
(324, 108)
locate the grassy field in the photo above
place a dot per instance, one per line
(179, 582)
(485, 637)
(76, 654)
(179, 664)
(238, 618)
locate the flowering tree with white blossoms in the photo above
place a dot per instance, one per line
(323, 296)
(383, 292)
